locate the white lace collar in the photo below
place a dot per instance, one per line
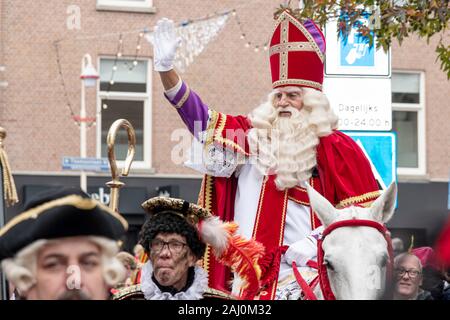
(152, 292)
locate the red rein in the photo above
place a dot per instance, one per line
(323, 275)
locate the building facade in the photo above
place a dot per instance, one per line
(42, 44)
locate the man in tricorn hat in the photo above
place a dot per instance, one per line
(63, 247)
(174, 238)
(256, 166)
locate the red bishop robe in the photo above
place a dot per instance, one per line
(344, 178)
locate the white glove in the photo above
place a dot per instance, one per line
(302, 251)
(165, 44)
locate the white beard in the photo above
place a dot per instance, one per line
(285, 146)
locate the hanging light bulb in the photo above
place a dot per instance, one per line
(135, 63)
(265, 47)
(243, 36)
(114, 68)
(257, 49)
(105, 106)
(247, 45)
(138, 47)
(119, 54)
(111, 82)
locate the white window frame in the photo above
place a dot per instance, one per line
(419, 108)
(146, 97)
(129, 6)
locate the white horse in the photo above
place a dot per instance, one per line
(356, 253)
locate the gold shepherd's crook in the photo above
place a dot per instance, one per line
(115, 184)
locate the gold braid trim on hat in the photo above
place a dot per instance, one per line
(9, 187)
(125, 292)
(194, 213)
(70, 200)
(297, 82)
(214, 293)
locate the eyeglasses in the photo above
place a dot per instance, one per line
(411, 273)
(174, 246)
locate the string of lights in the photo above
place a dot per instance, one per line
(194, 47)
(63, 84)
(248, 43)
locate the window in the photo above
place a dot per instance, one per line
(125, 93)
(408, 121)
(126, 5)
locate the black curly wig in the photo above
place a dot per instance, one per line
(171, 222)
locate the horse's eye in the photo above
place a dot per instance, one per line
(384, 259)
(328, 264)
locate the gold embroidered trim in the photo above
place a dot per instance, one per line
(258, 214)
(291, 46)
(124, 292)
(210, 292)
(211, 127)
(358, 199)
(366, 204)
(284, 54)
(219, 138)
(298, 82)
(206, 257)
(71, 200)
(283, 218)
(301, 189)
(308, 36)
(313, 224)
(298, 201)
(208, 205)
(283, 17)
(208, 193)
(193, 214)
(201, 198)
(183, 98)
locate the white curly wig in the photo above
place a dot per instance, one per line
(287, 146)
(21, 269)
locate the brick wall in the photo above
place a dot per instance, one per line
(228, 76)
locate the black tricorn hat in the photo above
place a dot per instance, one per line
(68, 212)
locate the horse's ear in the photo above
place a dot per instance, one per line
(321, 206)
(383, 208)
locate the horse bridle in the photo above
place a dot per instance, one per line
(322, 268)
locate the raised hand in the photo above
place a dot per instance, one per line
(165, 44)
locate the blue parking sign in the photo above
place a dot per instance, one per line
(355, 49)
(380, 149)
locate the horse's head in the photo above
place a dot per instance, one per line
(355, 256)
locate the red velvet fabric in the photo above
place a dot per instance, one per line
(347, 170)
